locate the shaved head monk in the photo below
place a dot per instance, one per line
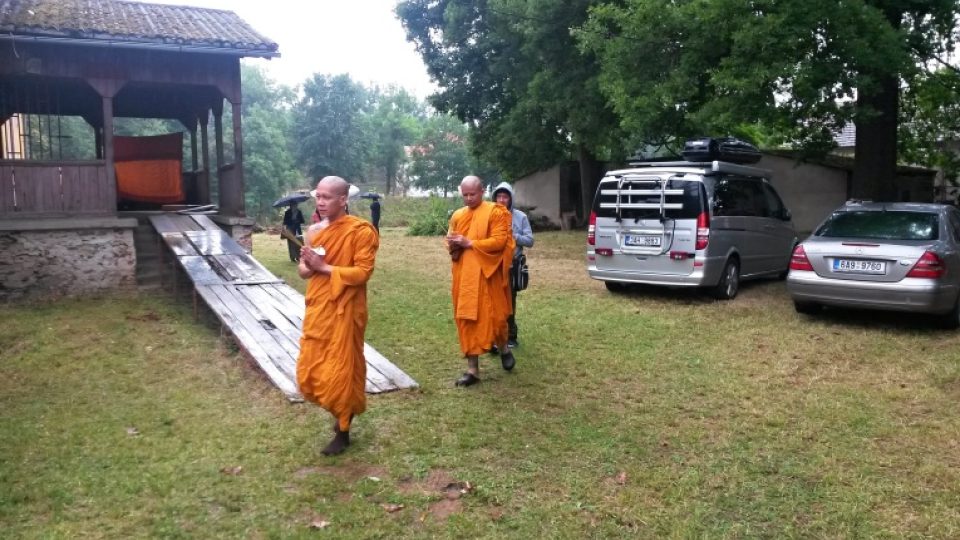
(480, 242)
(331, 369)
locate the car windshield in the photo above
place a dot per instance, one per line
(881, 225)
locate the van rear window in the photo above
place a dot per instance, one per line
(612, 191)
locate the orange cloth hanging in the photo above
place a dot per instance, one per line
(148, 169)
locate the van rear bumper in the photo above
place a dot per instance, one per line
(697, 278)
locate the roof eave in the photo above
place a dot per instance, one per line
(144, 45)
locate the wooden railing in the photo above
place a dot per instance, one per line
(61, 187)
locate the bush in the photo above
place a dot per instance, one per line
(433, 221)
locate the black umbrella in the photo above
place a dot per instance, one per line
(369, 195)
(296, 198)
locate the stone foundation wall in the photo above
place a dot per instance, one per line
(39, 264)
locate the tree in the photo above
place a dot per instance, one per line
(395, 123)
(440, 158)
(268, 163)
(930, 122)
(332, 127)
(512, 70)
(805, 67)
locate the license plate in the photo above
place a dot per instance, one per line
(642, 240)
(858, 266)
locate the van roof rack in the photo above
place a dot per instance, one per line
(714, 166)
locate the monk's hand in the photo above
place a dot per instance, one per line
(315, 261)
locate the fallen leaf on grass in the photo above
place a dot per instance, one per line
(133, 432)
(622, 478)
(373, 478)
(391, 508)
(232, 471)
(319, 524)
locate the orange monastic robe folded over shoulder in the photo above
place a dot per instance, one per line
(481, 276)
(331, 369)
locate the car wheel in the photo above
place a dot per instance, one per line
(615, 286)
(729, 283)
(807, 308)
(951, 321)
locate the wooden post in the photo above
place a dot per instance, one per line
(203, 188)
(218, 141)
(236, 188)
(108, 149)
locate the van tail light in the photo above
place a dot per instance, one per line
(592, 230)
(929, 266)
(703, 230)
(799, 260)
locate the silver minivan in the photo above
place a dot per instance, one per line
(686, 224)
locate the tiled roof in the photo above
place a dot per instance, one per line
(133, 23)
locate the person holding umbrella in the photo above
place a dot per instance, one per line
(292, 221)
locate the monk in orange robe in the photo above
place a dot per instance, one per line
(331, 369)
(480, 242)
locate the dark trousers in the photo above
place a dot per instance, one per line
(511, 320)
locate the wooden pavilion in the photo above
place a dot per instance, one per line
(100, 60)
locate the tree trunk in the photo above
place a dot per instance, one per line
(388, 169)
(875, 161)
(591, 171)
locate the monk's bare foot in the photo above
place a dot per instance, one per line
(339, 443)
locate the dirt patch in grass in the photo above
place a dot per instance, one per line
(436, 482)
(443, 509)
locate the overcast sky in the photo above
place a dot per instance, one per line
(359, 37)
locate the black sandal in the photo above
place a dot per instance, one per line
(508, 361)
(467, 379)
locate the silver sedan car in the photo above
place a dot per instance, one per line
(890, 256)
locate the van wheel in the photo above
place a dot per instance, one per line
(616, 286)
(807, 308)
(729, 283)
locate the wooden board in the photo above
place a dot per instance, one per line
(213, 242)
(264, 314)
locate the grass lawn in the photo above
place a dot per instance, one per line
(648, 414)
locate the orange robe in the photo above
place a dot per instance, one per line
(331, 369)
(481, 276)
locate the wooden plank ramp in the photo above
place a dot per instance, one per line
(262, 312)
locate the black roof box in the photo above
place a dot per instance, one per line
(727, 149)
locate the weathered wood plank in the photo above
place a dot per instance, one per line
(85, 189)
(388, 368)
(200, 271)
(180, 245)
(273, 324)
(275, 311)
(249, 329)
(251, 347)
(185, 223)
(290, 310)
(213, 242)
(205, 223)
(164, 224)
(242, 267)
(6, 189)
(38, 189)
